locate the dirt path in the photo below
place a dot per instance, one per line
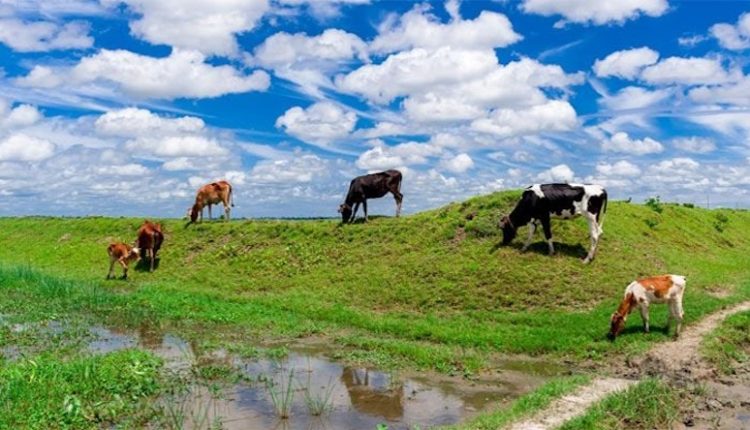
(572, 405)
(680, 360)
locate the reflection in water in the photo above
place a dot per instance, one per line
(373, 396)
(360, 398)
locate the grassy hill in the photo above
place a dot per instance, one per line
(433, 289)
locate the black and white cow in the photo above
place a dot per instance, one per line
(540, 202)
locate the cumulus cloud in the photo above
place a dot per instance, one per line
(136, 122)
(555, 115)
(177, 146)
(300, 169)
(695, 144)
(733, 93)
(21, 147)
(688, 71)
(735, 37)
(621, 168)
(635, 98)
(420, 29)
(42, 36)
(595, 11)
(383, 157)
(183, 74)
(309, 61)
(559, 173)
(209, 27)
(625, 64)
(20, 116)
(323, 9)
(458, 164)
(320, 123)
(622, 142)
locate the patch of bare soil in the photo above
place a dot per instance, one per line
(713, 401)
(573, 404)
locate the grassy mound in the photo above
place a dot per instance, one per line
(437, 279)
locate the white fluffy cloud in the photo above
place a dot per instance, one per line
(419, 29)
(698, 145)
(320, 123)
(21, 147)
(177, 146)
(635, 98)
(733, 93)
(622, 142)
(621, 168)
(688, 71)
(559, 173)
(382, 157)
(734, 37)
(458, 164)
(555, 115)
(183, 74)
(625, 64)
(19, 116)
(596, 11)
(206, 26)
(309, 61)
(135, 122)
(40, 36)
(300, 169)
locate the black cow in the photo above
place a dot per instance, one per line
(371, 186)
(541, 202)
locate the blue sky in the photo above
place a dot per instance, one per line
(125, 107)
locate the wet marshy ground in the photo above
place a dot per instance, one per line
(308, 388)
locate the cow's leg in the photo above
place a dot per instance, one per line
(679, 314)
(364, 207)
(532, 230)
(124, 268)
(111, 274)
(399, 198)
(227, 209)
(209, 213)
(644, 315)
(354, 212)
(594, 232)
(548, 233)
(152, 258)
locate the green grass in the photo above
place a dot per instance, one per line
(394, 288)
(729, 344)
(82, 393)
(525, 405)
(650, 404)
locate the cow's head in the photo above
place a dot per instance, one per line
(509, 230)
(193, 213)
(616, 324)
(135, 254)
(346, 212)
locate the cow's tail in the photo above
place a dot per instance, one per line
(231, 195)
(600, 215)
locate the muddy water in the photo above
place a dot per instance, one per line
(357, 397)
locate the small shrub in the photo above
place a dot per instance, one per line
(655, 204)
(689, 205)
(721, 221)
(651, 222)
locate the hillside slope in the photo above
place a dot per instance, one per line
(438, 277)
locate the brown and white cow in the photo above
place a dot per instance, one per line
(642, 293)
(212, 194)
(121, 253)
(150, 238)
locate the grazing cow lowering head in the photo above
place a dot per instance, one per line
(211, 194)
(541, 202)
(123, 254)
(371, 186)
(642, 293)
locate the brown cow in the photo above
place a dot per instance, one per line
(121, 253)
(212, 194)
(150, 238)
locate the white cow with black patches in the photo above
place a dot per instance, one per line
(541, 202)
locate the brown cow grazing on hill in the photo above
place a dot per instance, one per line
(368, 187)
(150, 238)
(211, 194)
(121, 253)
(640, 294)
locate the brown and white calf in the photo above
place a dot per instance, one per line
(212, 194)
(642, 293)
(121, 253)
(150, 238)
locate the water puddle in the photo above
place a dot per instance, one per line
(349, 397)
